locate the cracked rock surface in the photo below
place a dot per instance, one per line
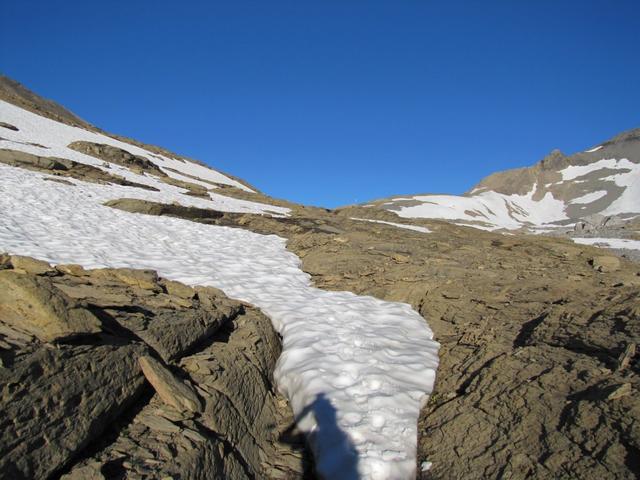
(117, 373)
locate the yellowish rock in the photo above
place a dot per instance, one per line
(35, 305)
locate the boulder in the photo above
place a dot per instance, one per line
(178, 289)
(30, 265)
(170, 389)
(606, 263)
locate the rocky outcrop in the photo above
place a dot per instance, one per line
(117, 373)
(36, 306)
(66, 168)
(134, 205)
(137, 164)
(534, 332)
(111, 154)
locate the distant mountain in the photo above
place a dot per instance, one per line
(558, 191)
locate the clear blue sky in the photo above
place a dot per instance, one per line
(330, 102)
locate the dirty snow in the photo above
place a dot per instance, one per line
(399, 225)
(623, 243)
(356, 369)
(589, 197)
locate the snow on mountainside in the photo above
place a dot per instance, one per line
(556, 192)
(360, 354)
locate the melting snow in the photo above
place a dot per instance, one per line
(399, 225)
(590, 197)
(493, 209)
(575, 171)
(595, 149)
(355, 369)
(57, 136)
(623, 243)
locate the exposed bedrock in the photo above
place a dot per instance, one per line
(117, 373)
(62, 167)
(538, 373)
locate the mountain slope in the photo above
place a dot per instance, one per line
(557, 191)
(349, 377)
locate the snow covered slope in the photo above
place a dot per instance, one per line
(355, 369)
(557, 191)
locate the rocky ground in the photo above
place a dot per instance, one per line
(116, 373)
(538, 375)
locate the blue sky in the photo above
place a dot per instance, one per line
(339, 101)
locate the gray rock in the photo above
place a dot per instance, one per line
(56, 401)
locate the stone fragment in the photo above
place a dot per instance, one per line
(159, 424)
(179, 289)
(620, 391)
(72, 269)
(145, 279)
(35, 305)
(85, 472)
(398, 258)
(606, 263)
(170, 389)
(626, 356)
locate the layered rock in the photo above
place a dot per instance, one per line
(83, 352)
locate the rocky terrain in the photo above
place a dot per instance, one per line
(538, 339)
(538, 373)
(117, 373)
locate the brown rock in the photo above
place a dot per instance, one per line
(30, 265)
(179, 289)
(606, 263)
(144, 279)
(172, 390)
(72, 269)
(620, 391)
(34, 305)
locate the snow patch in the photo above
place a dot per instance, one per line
(57, 136)
(399, 225)
(575, 171)
(595, 149)
(623, 243)
(488, 210)
(589, 197)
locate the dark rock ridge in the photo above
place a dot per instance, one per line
(65, 168)
(117, 373)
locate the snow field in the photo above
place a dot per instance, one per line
(57, 136)
(355, 369)
(415, 228)
(623, 243)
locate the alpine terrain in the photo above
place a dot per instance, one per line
(162, 319)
